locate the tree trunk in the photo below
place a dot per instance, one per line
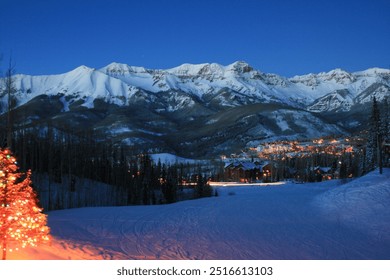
(379, 155)
(4, 246)
(9, 89)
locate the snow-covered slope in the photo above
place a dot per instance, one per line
(117, 82)
(338, 90)
(327, 220)
(82, 83)
(368, 197)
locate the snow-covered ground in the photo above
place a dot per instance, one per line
(166, 158)
(328, 220)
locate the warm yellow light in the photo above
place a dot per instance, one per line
(21, 220)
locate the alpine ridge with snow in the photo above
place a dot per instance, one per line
(184, 109)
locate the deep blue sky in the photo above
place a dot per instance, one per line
(283, 37)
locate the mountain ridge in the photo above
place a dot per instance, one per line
(239, 76)
(209, 107)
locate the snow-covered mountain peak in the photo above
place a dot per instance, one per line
(81, 70)
(336, 76)
(373, 72)
(121, 69)
(309, 80)
(191, 70)
(240, 67)
(337, 71)
(211, 70)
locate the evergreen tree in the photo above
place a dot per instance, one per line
(169, 185)
(343, 170)
(374, 145)
(21, 220)
(202, 188)
(386, 129)
(385, 124)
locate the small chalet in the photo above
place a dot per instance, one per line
(243, 171)
(323, 173)
(269, 172)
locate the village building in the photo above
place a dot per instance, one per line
(322, 173)
(251, 171)
(243, 171)
(269, 172)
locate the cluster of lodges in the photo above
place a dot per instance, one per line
(298, 161)
(246, 171)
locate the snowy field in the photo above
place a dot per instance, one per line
(328, 220)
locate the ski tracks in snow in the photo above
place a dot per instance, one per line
(187, 232)
(159, 234)
(311, 221)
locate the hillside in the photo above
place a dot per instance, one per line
(199, 110)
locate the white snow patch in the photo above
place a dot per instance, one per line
(65, 104)
(120, 130)
(170, 158)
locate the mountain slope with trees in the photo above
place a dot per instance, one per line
(194, 111)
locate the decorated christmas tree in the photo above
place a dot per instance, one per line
(22, 222)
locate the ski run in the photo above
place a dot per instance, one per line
(329, 220)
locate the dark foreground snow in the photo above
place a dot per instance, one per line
(328, 220)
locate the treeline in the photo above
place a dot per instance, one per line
(316, 165)
(378, 139)
(64, 167)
